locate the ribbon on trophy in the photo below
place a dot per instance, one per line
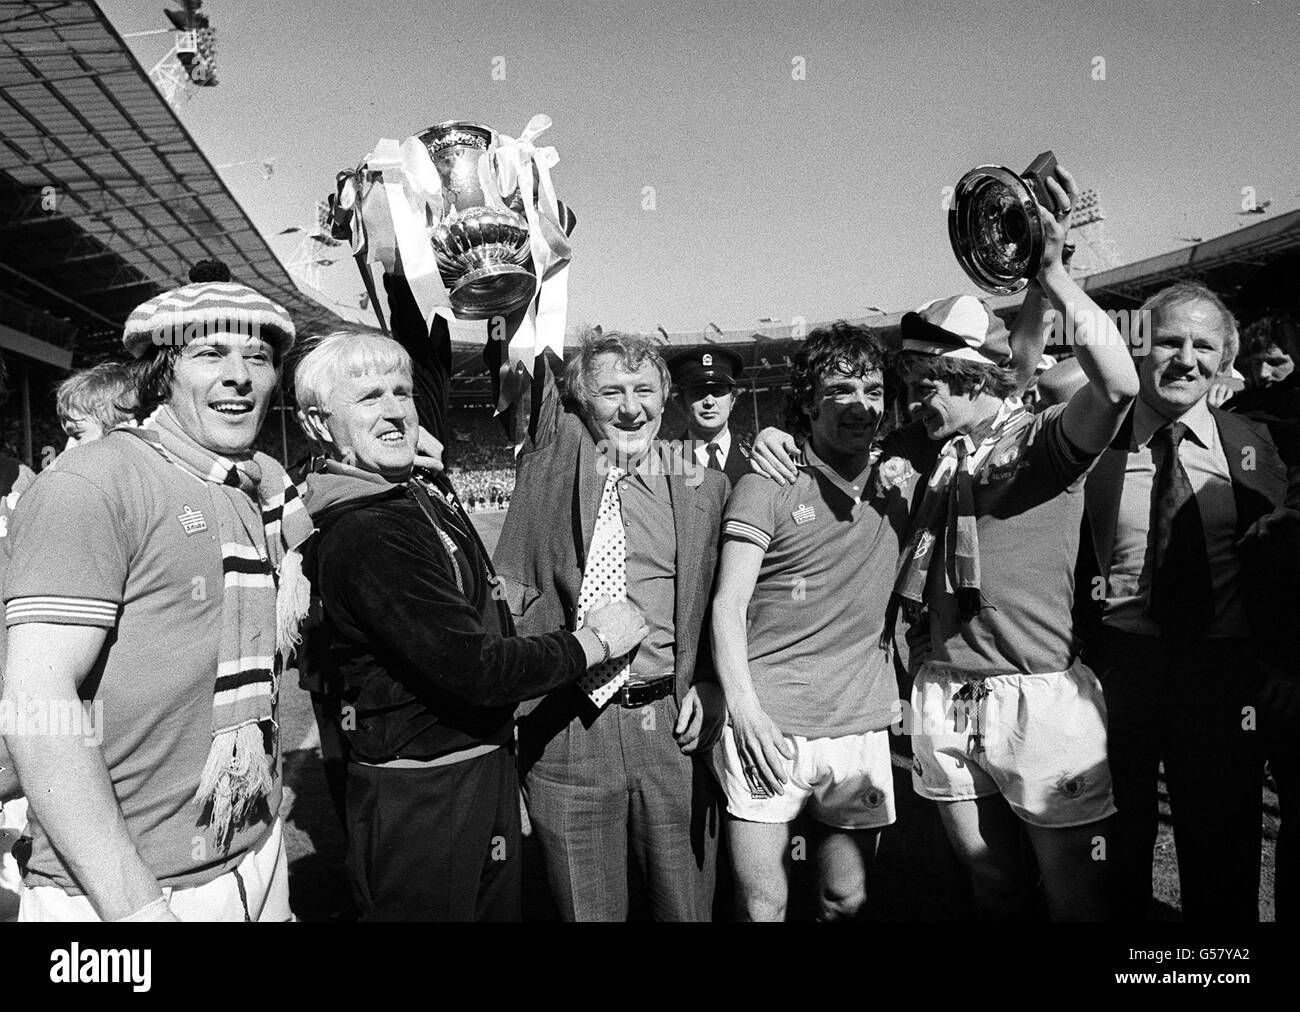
(542, 329)
(456, 230)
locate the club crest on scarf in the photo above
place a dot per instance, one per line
(894, 473)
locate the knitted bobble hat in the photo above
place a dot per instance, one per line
(207, 307)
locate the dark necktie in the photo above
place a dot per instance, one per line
(714, 461)
(1182, 591)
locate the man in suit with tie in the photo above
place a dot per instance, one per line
(1185, 610)
(614, 767)
(705, 383)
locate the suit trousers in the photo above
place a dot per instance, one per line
(1191, 706)
(439, 843)
(613, 791)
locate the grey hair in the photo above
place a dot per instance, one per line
(1191, 291)
(632, 351)
(344, 353)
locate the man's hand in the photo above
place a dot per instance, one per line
(1064, 193)
(1278, 531)
(1222, 389)
(621, 623)
(703, 713)
(776, 455)
(761, 747)
(428, 451)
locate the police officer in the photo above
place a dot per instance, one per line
(704, 382)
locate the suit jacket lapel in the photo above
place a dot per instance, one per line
(680, 495)
(1257, 487)
(588, 489)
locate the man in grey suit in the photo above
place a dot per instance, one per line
(614, 767)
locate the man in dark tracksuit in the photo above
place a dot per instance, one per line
(415, 635)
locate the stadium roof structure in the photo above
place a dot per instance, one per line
(1227, 264)
(105, 198)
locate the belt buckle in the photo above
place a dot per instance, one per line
(625, 694)
(630, 695)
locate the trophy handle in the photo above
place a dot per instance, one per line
(1040, 170)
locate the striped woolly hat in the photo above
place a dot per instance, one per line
(191, 311)
(960, 326)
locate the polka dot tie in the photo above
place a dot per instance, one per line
(606, 573)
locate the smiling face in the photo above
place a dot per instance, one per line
(933, 403)
(1187, 343)
(845, 413)
(625, 408)
(80, 429)
(370, 422)
(221, 389)
(708, 407)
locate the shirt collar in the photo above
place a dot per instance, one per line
(724, 446)
(1197, 418)
(648, 471)
(855, 489)
(649, 478)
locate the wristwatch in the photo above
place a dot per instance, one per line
(603, 642)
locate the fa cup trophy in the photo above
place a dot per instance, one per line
(994, 225)
(481, 241)
(462, 202)
(469, 217)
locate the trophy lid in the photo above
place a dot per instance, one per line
(455, 133)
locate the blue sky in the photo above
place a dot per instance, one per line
(772, 196)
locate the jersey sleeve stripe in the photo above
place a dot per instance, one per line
(747, 532)
(61, 611)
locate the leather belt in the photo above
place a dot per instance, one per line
(637, 694)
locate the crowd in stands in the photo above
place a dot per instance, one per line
(478, 456)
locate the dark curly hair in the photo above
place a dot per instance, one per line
(844, 349)
(1280, 329)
